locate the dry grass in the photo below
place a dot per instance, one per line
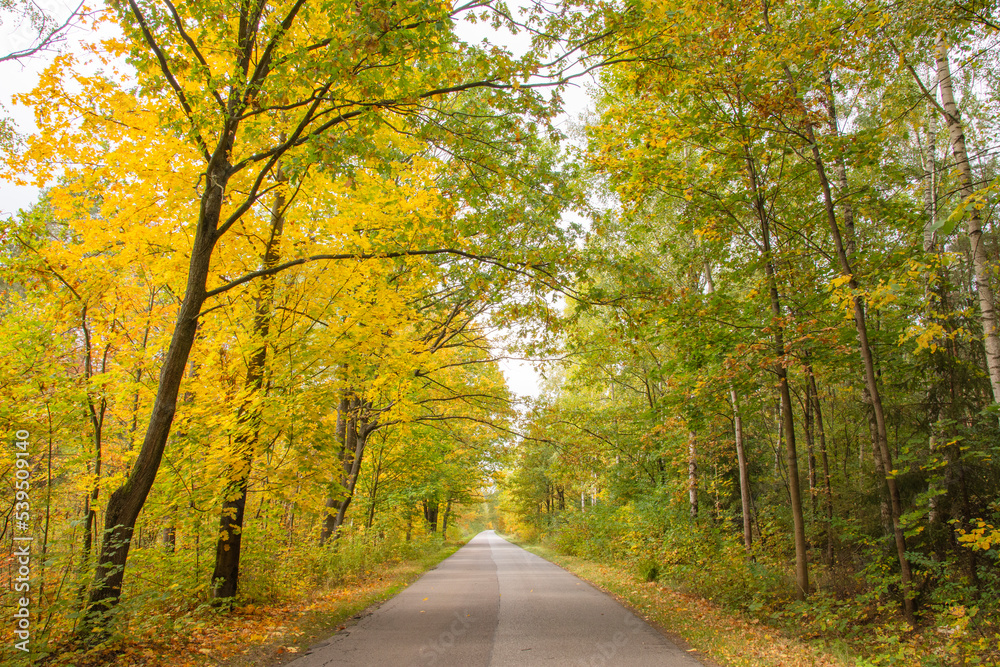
(714, 635)
(257, 635)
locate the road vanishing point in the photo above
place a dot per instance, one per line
(493, 604)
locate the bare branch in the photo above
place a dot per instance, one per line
(45, 39)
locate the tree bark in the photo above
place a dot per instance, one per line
(933, 304)
(840, 167)
(95, 414)
(353, 430)
(431, 514)
(444, 521)
(824, 461)
(787, 418)
(373, 496)
(744, 473)
(809, 428)
(974, 224)
(692, 476)
(125, 503)
(228, 547)
(738, 434)
(930, 188)
(871, 381)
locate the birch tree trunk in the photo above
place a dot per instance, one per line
(974, 224)
(933, 302)
(692, 476)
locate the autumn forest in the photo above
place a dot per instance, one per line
(255, 321)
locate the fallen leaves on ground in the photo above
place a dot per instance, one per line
(723, 637)
(254, 634)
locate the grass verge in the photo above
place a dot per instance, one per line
(261, 635)
(710, 633)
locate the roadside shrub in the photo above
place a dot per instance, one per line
(649, 570)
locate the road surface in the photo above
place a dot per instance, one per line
(493, 604)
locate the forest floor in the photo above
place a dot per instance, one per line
(262, 635)
(715, 635)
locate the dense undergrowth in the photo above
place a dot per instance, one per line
(289, 598)
(854, 612)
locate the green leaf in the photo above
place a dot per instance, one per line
(947, 225)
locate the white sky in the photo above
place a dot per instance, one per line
(20, 77)
(522, 378)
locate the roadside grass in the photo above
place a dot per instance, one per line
(714, 635)
(260, 635)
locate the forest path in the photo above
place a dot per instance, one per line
(493, 604)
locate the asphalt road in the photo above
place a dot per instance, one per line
(493, 604)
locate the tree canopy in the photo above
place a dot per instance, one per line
(255, 314)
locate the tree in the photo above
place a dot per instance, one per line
(767, 156)
(288, 95)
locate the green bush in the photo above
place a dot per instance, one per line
(649, 570)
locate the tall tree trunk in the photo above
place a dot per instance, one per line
(787, 418)
(840, 167)
(373, 496)
(228, 547)
(351, 478)
(871, 381)
(170, 530)
(738, 434)
(934, 304)
(966, 517)
(48, 505)
(974, 224)
(352, 432)
(692, 476)
(930, 187)
(95, 414)
(125, 503)
(741, 460)
(444, 521)
(332, 505)
(824, 461)
(138, 373)
(809, 429)
(431, 514)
